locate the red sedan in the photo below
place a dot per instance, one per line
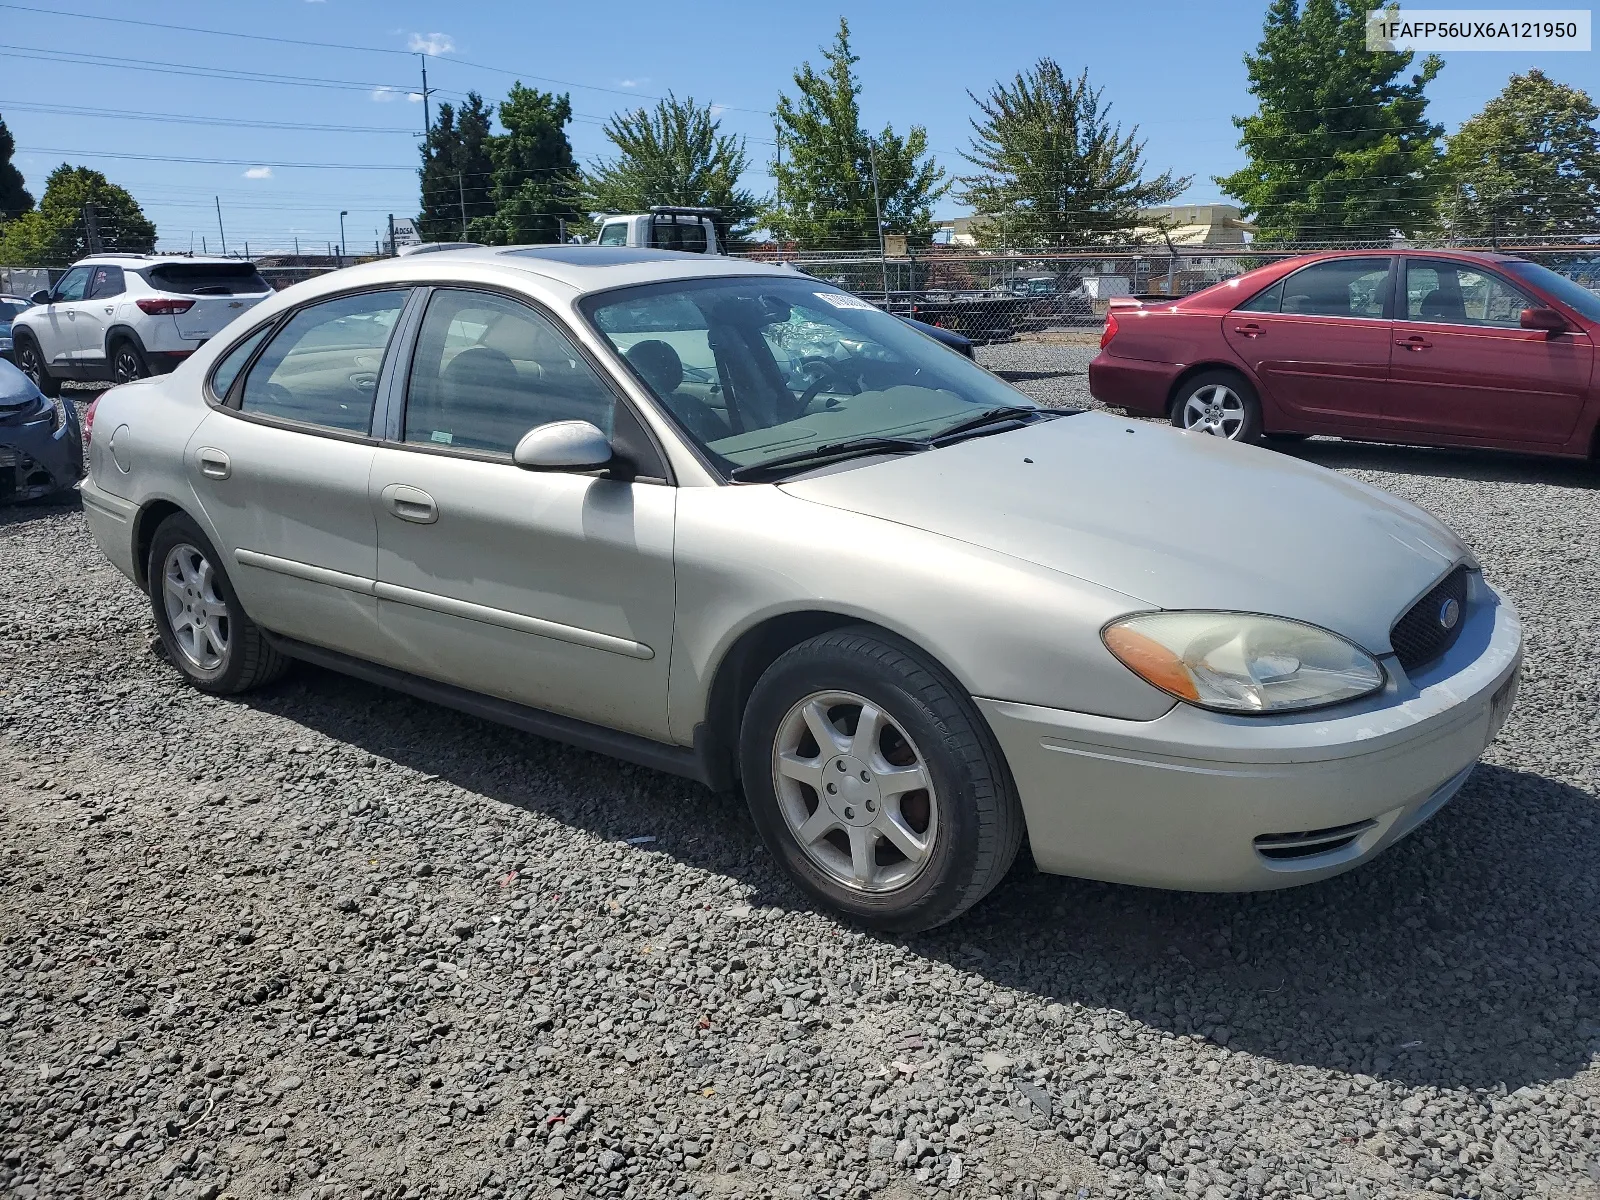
(1448, 348)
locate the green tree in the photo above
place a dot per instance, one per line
(673, 154)
(457, 172)
(825, 164)
(1529, 163)
(55, 233)
(1340, 145)
(536, 180)
(1053, 168)
(15, 199)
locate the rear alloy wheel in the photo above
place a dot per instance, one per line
(30, 361)
(875, 782)
(205, 632)
(1219, 403)
(127, 364)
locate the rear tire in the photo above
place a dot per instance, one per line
(127, 363)
(920, 819)
(1218, 402)
(30, 361)
(203, 627)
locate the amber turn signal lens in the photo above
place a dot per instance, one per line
(1151, 661)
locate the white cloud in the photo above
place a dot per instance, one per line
(633, 83)
(716, 110)
(258, 173)
(385, 93)
(432, 43)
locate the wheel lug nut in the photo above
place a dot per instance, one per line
(865, 778)
(833, 789)
(840, 765)
(849, 814)
(872, 806)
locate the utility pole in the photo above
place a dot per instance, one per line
(220, 233)
(393, 249)
(777, 140)
(461, 192)
(427, 118)
(877, 208)
(342, 215)
(91, 228)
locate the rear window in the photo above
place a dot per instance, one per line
(668, 234)
(208, 279)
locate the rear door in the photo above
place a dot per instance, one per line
(217, 293)
(1464, 365)
(1318, 340)
(95, 312)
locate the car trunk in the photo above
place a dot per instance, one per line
(220, 291)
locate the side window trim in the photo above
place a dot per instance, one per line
(231, 398)
(232, 404)
(389, 410)
(392, 431)
(1388, 290)
(1402, 291)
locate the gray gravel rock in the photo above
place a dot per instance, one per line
(330, 941)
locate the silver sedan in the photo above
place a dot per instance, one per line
(730, 522)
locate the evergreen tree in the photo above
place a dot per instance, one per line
(1054, 170)
(1529, 163)
(55, 233)
(1340, 145)
(536, 179)
(825, 164)
(673, 154)
(457, 172)
(15, 199)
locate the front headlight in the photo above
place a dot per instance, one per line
(7, 344)
(1242, 663)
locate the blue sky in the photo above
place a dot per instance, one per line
(1172, 68)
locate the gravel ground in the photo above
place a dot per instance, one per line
(330, 941)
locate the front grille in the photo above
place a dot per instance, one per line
(1423, 634)
(1285, 847)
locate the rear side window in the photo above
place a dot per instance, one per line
(1268, 301)
(208, 279)
(106, 281)
(233, 362)
(322, 367)
(1338, 287)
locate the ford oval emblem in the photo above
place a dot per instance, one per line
(1449, 613)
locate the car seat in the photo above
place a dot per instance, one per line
(660, 367)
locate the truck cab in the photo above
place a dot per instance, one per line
(664, 227)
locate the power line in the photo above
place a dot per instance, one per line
(254, 37)
(223, 162)
(166, 68)
(192, 119)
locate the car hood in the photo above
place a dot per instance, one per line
(1170, 519)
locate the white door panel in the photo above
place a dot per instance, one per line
(544, 588)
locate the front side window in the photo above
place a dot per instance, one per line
(322, 367)
(106, 281)
(1457, 294)
(614, 234)
(1338, 287)
(72, 286)
(1569, 291)
(488, 369)
(760, 368)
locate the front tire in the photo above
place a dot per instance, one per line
(1220, 403)
(875, 782)
(30, 361)
(203, 627)
(127, 363)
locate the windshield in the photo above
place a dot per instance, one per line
(9, 309)
(755, 369)
(1573, 295)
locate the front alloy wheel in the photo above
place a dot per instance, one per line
(855, 792)
(197, 613)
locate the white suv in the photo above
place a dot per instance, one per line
(120, 317)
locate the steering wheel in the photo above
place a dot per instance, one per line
(830, 374)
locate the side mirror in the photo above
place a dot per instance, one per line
(1547, 319)
(40, 297)
(563, 446)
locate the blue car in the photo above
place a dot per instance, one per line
(10, 306)
(41, 440)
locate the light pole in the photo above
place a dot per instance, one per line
(342, 216)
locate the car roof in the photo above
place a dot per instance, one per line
(157, 260)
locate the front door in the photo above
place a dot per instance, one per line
(58, 332)
(1462, 363)
(94, 314)
(1318, 340)
(282, 471)
(552, 589)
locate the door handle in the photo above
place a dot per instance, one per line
(410, 504)
(110, 308)
(1414, 343)
(214, 464)
(1251, 330)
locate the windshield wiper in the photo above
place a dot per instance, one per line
(991, 416)
(830, 452)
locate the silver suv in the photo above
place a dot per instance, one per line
(120, 317)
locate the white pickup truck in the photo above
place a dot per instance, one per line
(664, 227)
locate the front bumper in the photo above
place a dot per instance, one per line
(1201, 801)
(40, 459)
